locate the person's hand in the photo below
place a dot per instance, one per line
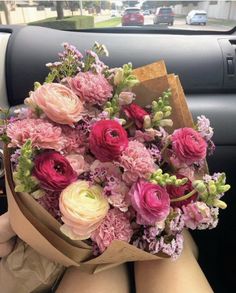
(7, 241)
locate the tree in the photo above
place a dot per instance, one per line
(6, 12)
(59, 7)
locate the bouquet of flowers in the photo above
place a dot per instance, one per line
(105, 165)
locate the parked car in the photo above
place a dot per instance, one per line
(164, 15)
(132, 16)
(146, 12)
(114, 13)
(197, 17)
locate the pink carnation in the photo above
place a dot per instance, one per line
(43, 134)
(73, 140)
(115, 226)
(136, 162)
(91, 88)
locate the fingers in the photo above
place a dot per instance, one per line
(6, 247)
(6, 231)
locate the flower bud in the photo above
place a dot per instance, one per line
(166, 123)
(158, 116)
(219, 204)
(199, 186)
(146, 122)
(119, 76)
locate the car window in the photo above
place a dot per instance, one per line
(165, 10)
(130, 11)
(77, 15)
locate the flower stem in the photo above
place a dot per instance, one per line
(186, 196)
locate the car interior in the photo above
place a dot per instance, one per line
(206, 64)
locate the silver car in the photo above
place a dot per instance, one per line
(197, 17)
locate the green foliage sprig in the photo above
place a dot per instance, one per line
(161, 110)
(163, 179)
(211, 191)
(4, 120)
(24, 181)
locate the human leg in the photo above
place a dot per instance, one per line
(115, 280)
(165, 276)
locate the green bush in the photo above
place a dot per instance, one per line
(67, 23)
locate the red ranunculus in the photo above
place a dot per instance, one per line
(178, 191)
(188, 145)
(135, 113)
(53, 171)
(108, 139)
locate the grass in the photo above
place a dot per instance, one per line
(113, 22)
(225, 22)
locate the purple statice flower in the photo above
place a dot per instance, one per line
(172, 247)
(169, 245)
(210, 147)
(15, 157)
(84, 127)
(214, 177)
(50, 202)
(155, 153)
(148, 239)
(70, 50)
(213, 222)
(97, 65)
(176, 224)
(206, 131)
(150, 234)
(204, 128)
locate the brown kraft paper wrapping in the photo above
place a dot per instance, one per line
(26, 271)
(41, 231)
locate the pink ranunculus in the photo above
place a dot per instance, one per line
(178, 191)
(42, 133)
(108, 139)
(78, 163)
(136, 113)
(58, 102)
(91, 88)
(115, 226)
(188, 145)
(151, 202)
(53, 171)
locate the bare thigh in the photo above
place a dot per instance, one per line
(165, 276)
(114, 280)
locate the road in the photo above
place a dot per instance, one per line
(179, 23)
